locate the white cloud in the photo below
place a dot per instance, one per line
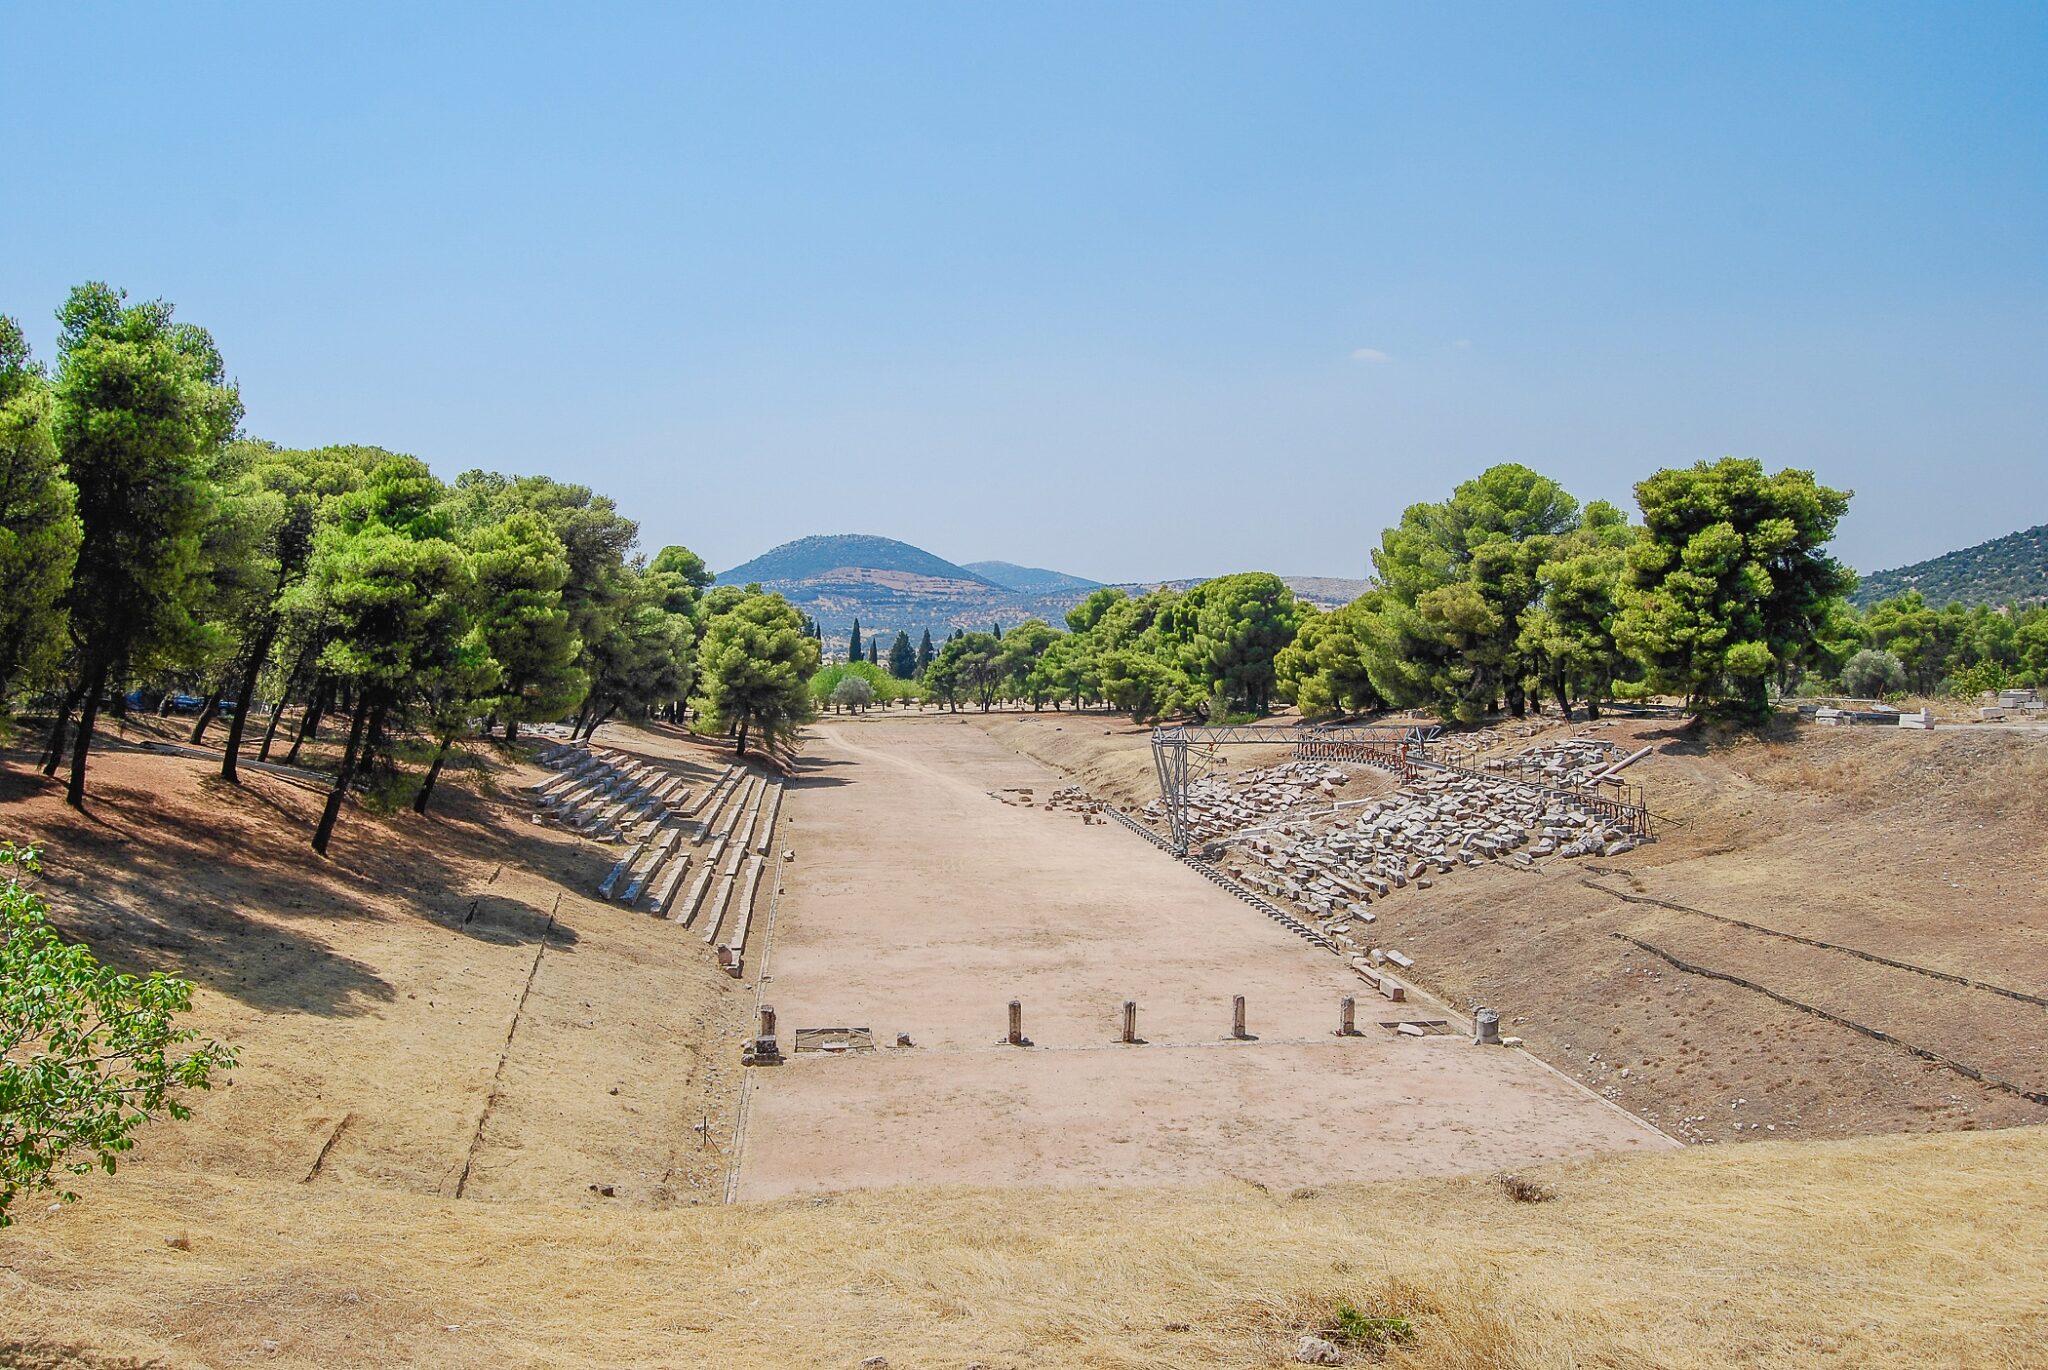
(1463, 344)
(1370, 354)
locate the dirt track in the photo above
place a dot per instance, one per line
(922, 902)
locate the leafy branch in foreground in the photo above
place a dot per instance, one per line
(87, 1054)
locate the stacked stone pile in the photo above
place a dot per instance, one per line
(1430, 827)
(1218, 805)
(1564, 761)
(1074, 799)
(1477, 746)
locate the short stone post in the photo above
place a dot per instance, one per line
(1016, 1037)
(1347, 1017)
(1485, 1028)
(767, 1020)
(1237, 1017)
(1130, 1020)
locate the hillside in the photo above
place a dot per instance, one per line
(890, 585)
(1325, 592)
(2008, 570)
(1033, 580)
(840, 554)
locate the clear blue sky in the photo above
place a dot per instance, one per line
(1127, 290)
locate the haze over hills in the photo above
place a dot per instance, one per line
(2008, 570)
(1031, 579)
(891, 585)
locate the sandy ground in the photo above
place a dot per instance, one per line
(1929, 848)
(926, 895)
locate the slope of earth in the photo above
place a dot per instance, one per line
(443, 1008)
(936, 879)
(1928, 849)
(220, 1242)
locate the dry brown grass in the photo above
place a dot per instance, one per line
(1897, 1251)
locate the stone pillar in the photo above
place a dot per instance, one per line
(767, 1020)
(1485, 1028)
(1347, 1017)
(1016, 1038)
(1237, 1018)
(1130, 1020)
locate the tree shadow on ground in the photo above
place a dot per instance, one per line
(158, 880)
(505, 921)
(261, 963)
(809, 773)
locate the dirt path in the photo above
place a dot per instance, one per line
(926, 894)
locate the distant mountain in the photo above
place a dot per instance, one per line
(816, 558)
(1325, 592)
(2008, 570)
(1031, 580)
(890, 586)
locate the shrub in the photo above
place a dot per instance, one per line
(1873, 674)
(88, 1052)
(1354, 1328)
(1986, 677)
(853, 693)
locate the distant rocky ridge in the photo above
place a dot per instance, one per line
(891, 586)
(1032, 580)
(2008, 570)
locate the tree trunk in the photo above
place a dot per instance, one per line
(206, 712)
(245, 695)
(56, 752)
(741, 749)
(269, 729)
(342, 779)
(309, 726)
(277, 713)
(511, 731)
(419, 804)
(88, 711)
(374, 741)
